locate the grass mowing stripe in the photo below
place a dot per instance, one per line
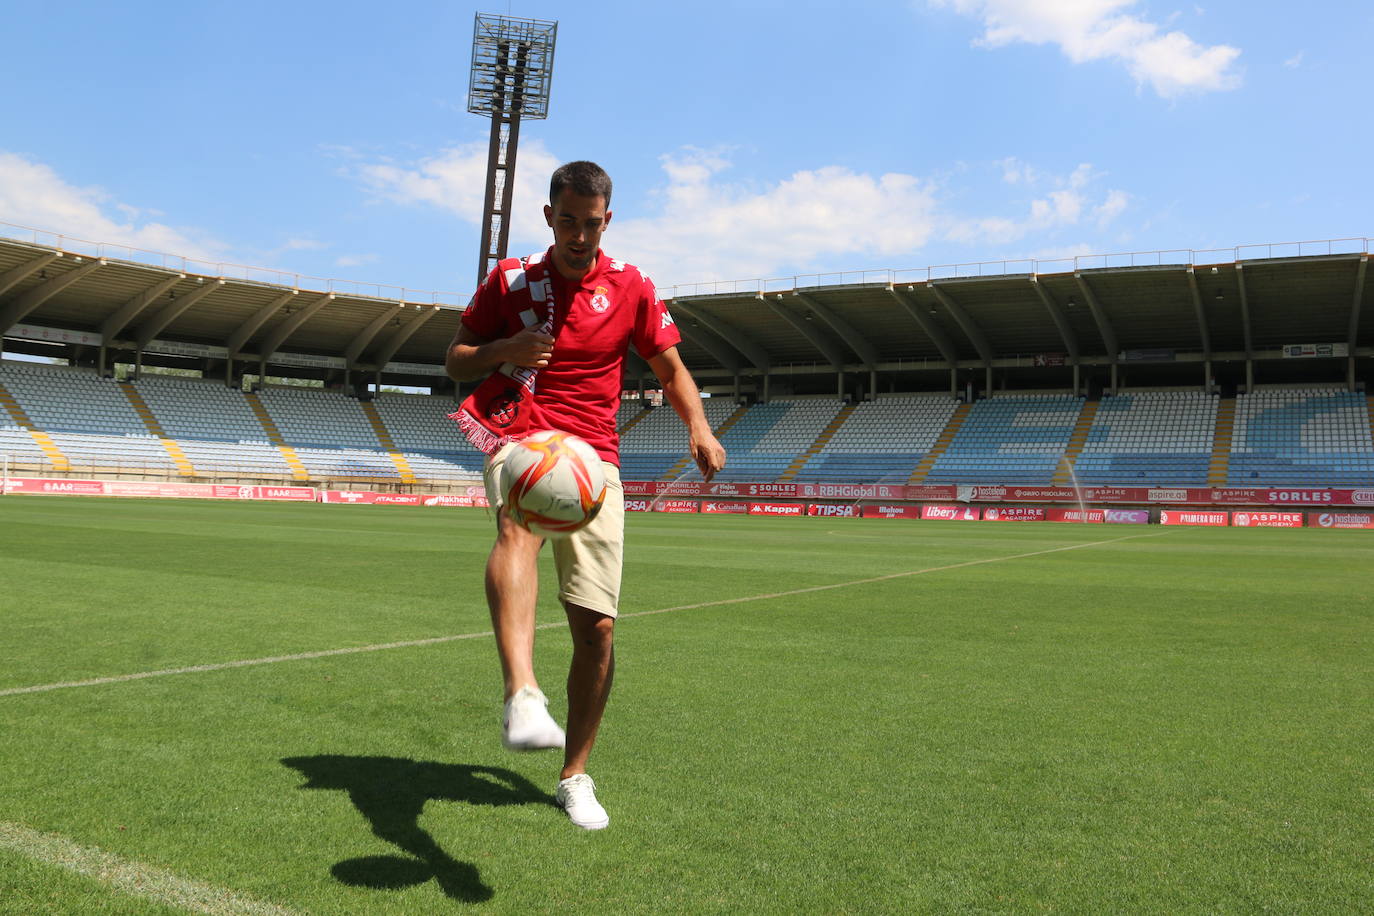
(131, 878)
(434, 640)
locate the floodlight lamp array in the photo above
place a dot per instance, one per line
(512, 66)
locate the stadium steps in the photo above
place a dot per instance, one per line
(918, 474)
(1220, 465)
(673, 472)
(384, 436)
(1062, 474)
(632, 422)
(183, 464)
(826, 435)
(274, 436)
(40, 438)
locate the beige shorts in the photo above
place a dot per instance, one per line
(589, 561)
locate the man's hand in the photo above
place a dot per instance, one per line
(530, 348)
(472, 357)
(708, 453)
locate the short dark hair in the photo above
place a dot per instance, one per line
(586, 179)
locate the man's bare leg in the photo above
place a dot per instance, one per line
(512, 589)
(589, 683)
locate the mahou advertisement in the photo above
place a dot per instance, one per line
(889, 511)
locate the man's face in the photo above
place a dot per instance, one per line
(577, 224)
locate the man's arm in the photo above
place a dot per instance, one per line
(681, 391)
(471, 357)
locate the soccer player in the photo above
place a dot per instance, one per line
(550, 333)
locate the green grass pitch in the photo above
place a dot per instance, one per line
(1164, 720)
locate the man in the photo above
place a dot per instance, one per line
(550, 333)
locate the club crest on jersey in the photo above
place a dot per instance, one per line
(600, 300)
(504, 408)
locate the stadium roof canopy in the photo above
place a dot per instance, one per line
(1174, 317)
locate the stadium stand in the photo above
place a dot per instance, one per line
(213, 424)
(881, 440)
(658, 441)
(88, 418)
(1009, 439)
(1310, 437)
(768, 437)
(1279, 436)
(328, 433)
(429, 440)
(1159, 437)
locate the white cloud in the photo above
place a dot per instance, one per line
(707, 228)
(1295, 61)
(699, 225)
(1114, 205)
(1062, 202)
(1171, 62)
(456, 179)
(355, 260)
(33, 194)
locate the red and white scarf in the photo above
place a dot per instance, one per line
(499, 410)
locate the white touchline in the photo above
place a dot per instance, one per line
(132, 878)
(435, 640)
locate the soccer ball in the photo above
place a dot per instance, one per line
(552, 483)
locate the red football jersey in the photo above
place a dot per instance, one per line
(595, 320)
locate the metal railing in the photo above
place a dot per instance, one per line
(228, 270)
(1183, 257)
(756, 285)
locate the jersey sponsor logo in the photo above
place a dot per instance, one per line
(667, 318)
(601, 300)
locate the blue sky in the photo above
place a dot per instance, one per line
(746, 139)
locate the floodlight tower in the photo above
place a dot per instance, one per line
(512, 67)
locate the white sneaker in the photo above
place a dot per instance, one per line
(577, 795)
(528, 725)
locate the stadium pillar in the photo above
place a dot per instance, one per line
(1350, 371)
(1249, 374)
(736, 394)
(953, 382)
(765, 387)
(839, 385)
(873, 384)
(1077, 384)
(1115, 377)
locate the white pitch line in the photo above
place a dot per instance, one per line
(134, 879)
(435, 640)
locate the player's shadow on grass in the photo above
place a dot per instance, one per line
(391, 793)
